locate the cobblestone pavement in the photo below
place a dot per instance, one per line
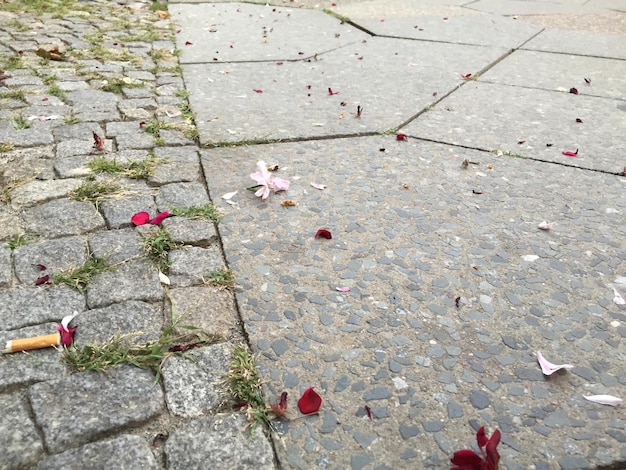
(437, 132)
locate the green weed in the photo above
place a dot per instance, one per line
(205, 212)
(78, 278)
(157, 246)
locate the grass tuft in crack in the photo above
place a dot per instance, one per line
(223, 278)
(244, 385)
(78, 278)
(157, 245)
(140, 169)
(17, 240)
(120, 349)
(96, 191)
(204, 212)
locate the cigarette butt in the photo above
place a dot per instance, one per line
(26, 344)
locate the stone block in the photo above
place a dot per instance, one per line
(190, 231)
(192, 380)
(100, 324)
(80, 408)
(117, 213)
(56, 255)
(19, 439)
(181, 195)
(116, 246)
(62, 217)
(219, 442)
(209, 308)
(35, 192)
(135, 280)
(32, 305)
(124, 452)
(5, 266)
(190, 266)
(94, 105)
(187, 154)
(175, 173)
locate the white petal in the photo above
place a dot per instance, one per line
(65, 322)
(545, 225)
(547, 367)
(228, 196)
(618, 299)
(164, 279)
(530, 257)
(343, 289)
(318, 186)
(604, 399)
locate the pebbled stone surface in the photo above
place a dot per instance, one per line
(19, 439)
(64, 408)
(62, 217)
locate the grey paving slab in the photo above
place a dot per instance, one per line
(65, 411)
(54, 255)
(537, 118)
(192, 265)
(30, 306)
(125, 452)
(192, 380)
(553, 72)
(19, 439)
(408, 19)
(139, 319)
(228, 109)
(192, 232)
(35, 192)
(62, 217)
(208, 308)
(230, 32)
(6, 273)
(218, 442)
(411, 231)
(522, 7)
(116, 246)
(571, 42)
(135, 280)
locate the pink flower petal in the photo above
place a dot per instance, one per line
(570, 154)
(140, 218)
(278, 184)
(547, 367)
(160, 218)
(309, 402)
(256, 90)
(545, 225)
(343, 289)
(604, 399)
(323, 233)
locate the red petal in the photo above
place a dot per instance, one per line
(140, 218)
(309, 402)
(492, 452)
(402, 137)
(98, 142)
(323, 233)
(457, 302)
(44, 99)
(579, 120)
(41, 267)
(283, 401)
(481, 437)
(588, 81)
(331, 92)
(466, 76)
(369, 412)
(570, 154)
(467, 459)
(42, 280)
(67, 336)
(573, 90)
(142, 123)
(160, 218)
(188, 43)
(257, 90)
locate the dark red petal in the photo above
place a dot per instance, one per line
(142, 123)
(331, 92)
(457, 302)
(44, 99)
(188, 43)
(481, 437)
(492, 449)
(521, 142)
(283, 401)
(467, 459)
(570, 154)
(369, 412)
(588, 81)
(41, 267)
(42, 280)
(160, 218)
(466, 76)
(239, 405)
(140, 218)
(309, 402)
(573, 91)
(579, 120)
(67, 336)
(323, 233)
(402, 137)
(256, 90)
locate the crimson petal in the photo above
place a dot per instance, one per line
(140, 218)
(466, 459)
(492, 452)
(481, 437)
(402, 137)
(42, 280)
(573, 91)
(570, 154)
(309, 402)
(323, 233)
(160, 218)
(67, 336)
